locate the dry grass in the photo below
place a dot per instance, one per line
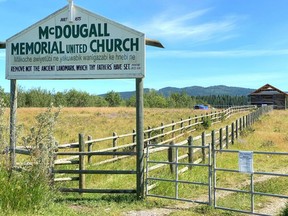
(102, 121)
(270, 132)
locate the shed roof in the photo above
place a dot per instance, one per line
(268, 90)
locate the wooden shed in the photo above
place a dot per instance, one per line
(269, 95)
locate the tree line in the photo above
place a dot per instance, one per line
(38, 97)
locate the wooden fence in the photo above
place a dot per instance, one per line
(221, 138)
(160, 135)
(78, 153)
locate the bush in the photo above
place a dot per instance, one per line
(206, 122)
(284, 212)
(28, 188)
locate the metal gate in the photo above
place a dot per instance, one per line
(169, 177)
(170, 174)
(247, 190)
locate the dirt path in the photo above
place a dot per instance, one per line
(273, 207)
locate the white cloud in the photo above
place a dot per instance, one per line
(189, 26)
(216, 54)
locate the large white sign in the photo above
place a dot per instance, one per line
(89, 47)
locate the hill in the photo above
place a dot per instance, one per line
(198, 91)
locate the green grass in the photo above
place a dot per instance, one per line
(24, 191)
(98, 204)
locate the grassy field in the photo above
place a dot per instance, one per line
(102, 122)
(268, 134)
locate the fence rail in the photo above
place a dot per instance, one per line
(163, 134)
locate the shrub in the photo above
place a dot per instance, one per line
(284, 212)
(40, 141)
(28, 188)
(206, 122)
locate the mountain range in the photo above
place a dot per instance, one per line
(197, 91)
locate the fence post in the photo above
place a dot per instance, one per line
(189, 122)
(149, 134)
(220, 138)
(236, 127)
(52, 163)
(81, 162)
(232, 133)
(240, 125)
(203, 144)
(196, 120)
(162, 131)
(213, 139)
(13, 116)
(247, 120)
(89, 149)
(173, 128)
(190, 151)
(227, 136)
(115, 140)
(172, 157)
(181, 125)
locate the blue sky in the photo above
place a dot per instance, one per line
(207, 42)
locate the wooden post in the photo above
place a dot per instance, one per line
(181, 125)
(173, 128)
(213, 139)
(13, 116)
(81, 162)
(196, 120)
(149, 134)
(232, 133)
(237, 125)
(172, 157)
(162, 131)
(240, 124)
(52, 164)
(140, 138)
(190, 151)
(203, 144)
(246, 121)
(189, 121)
(89, 149)
(115, 140)
(227, 136)
(220, 138)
